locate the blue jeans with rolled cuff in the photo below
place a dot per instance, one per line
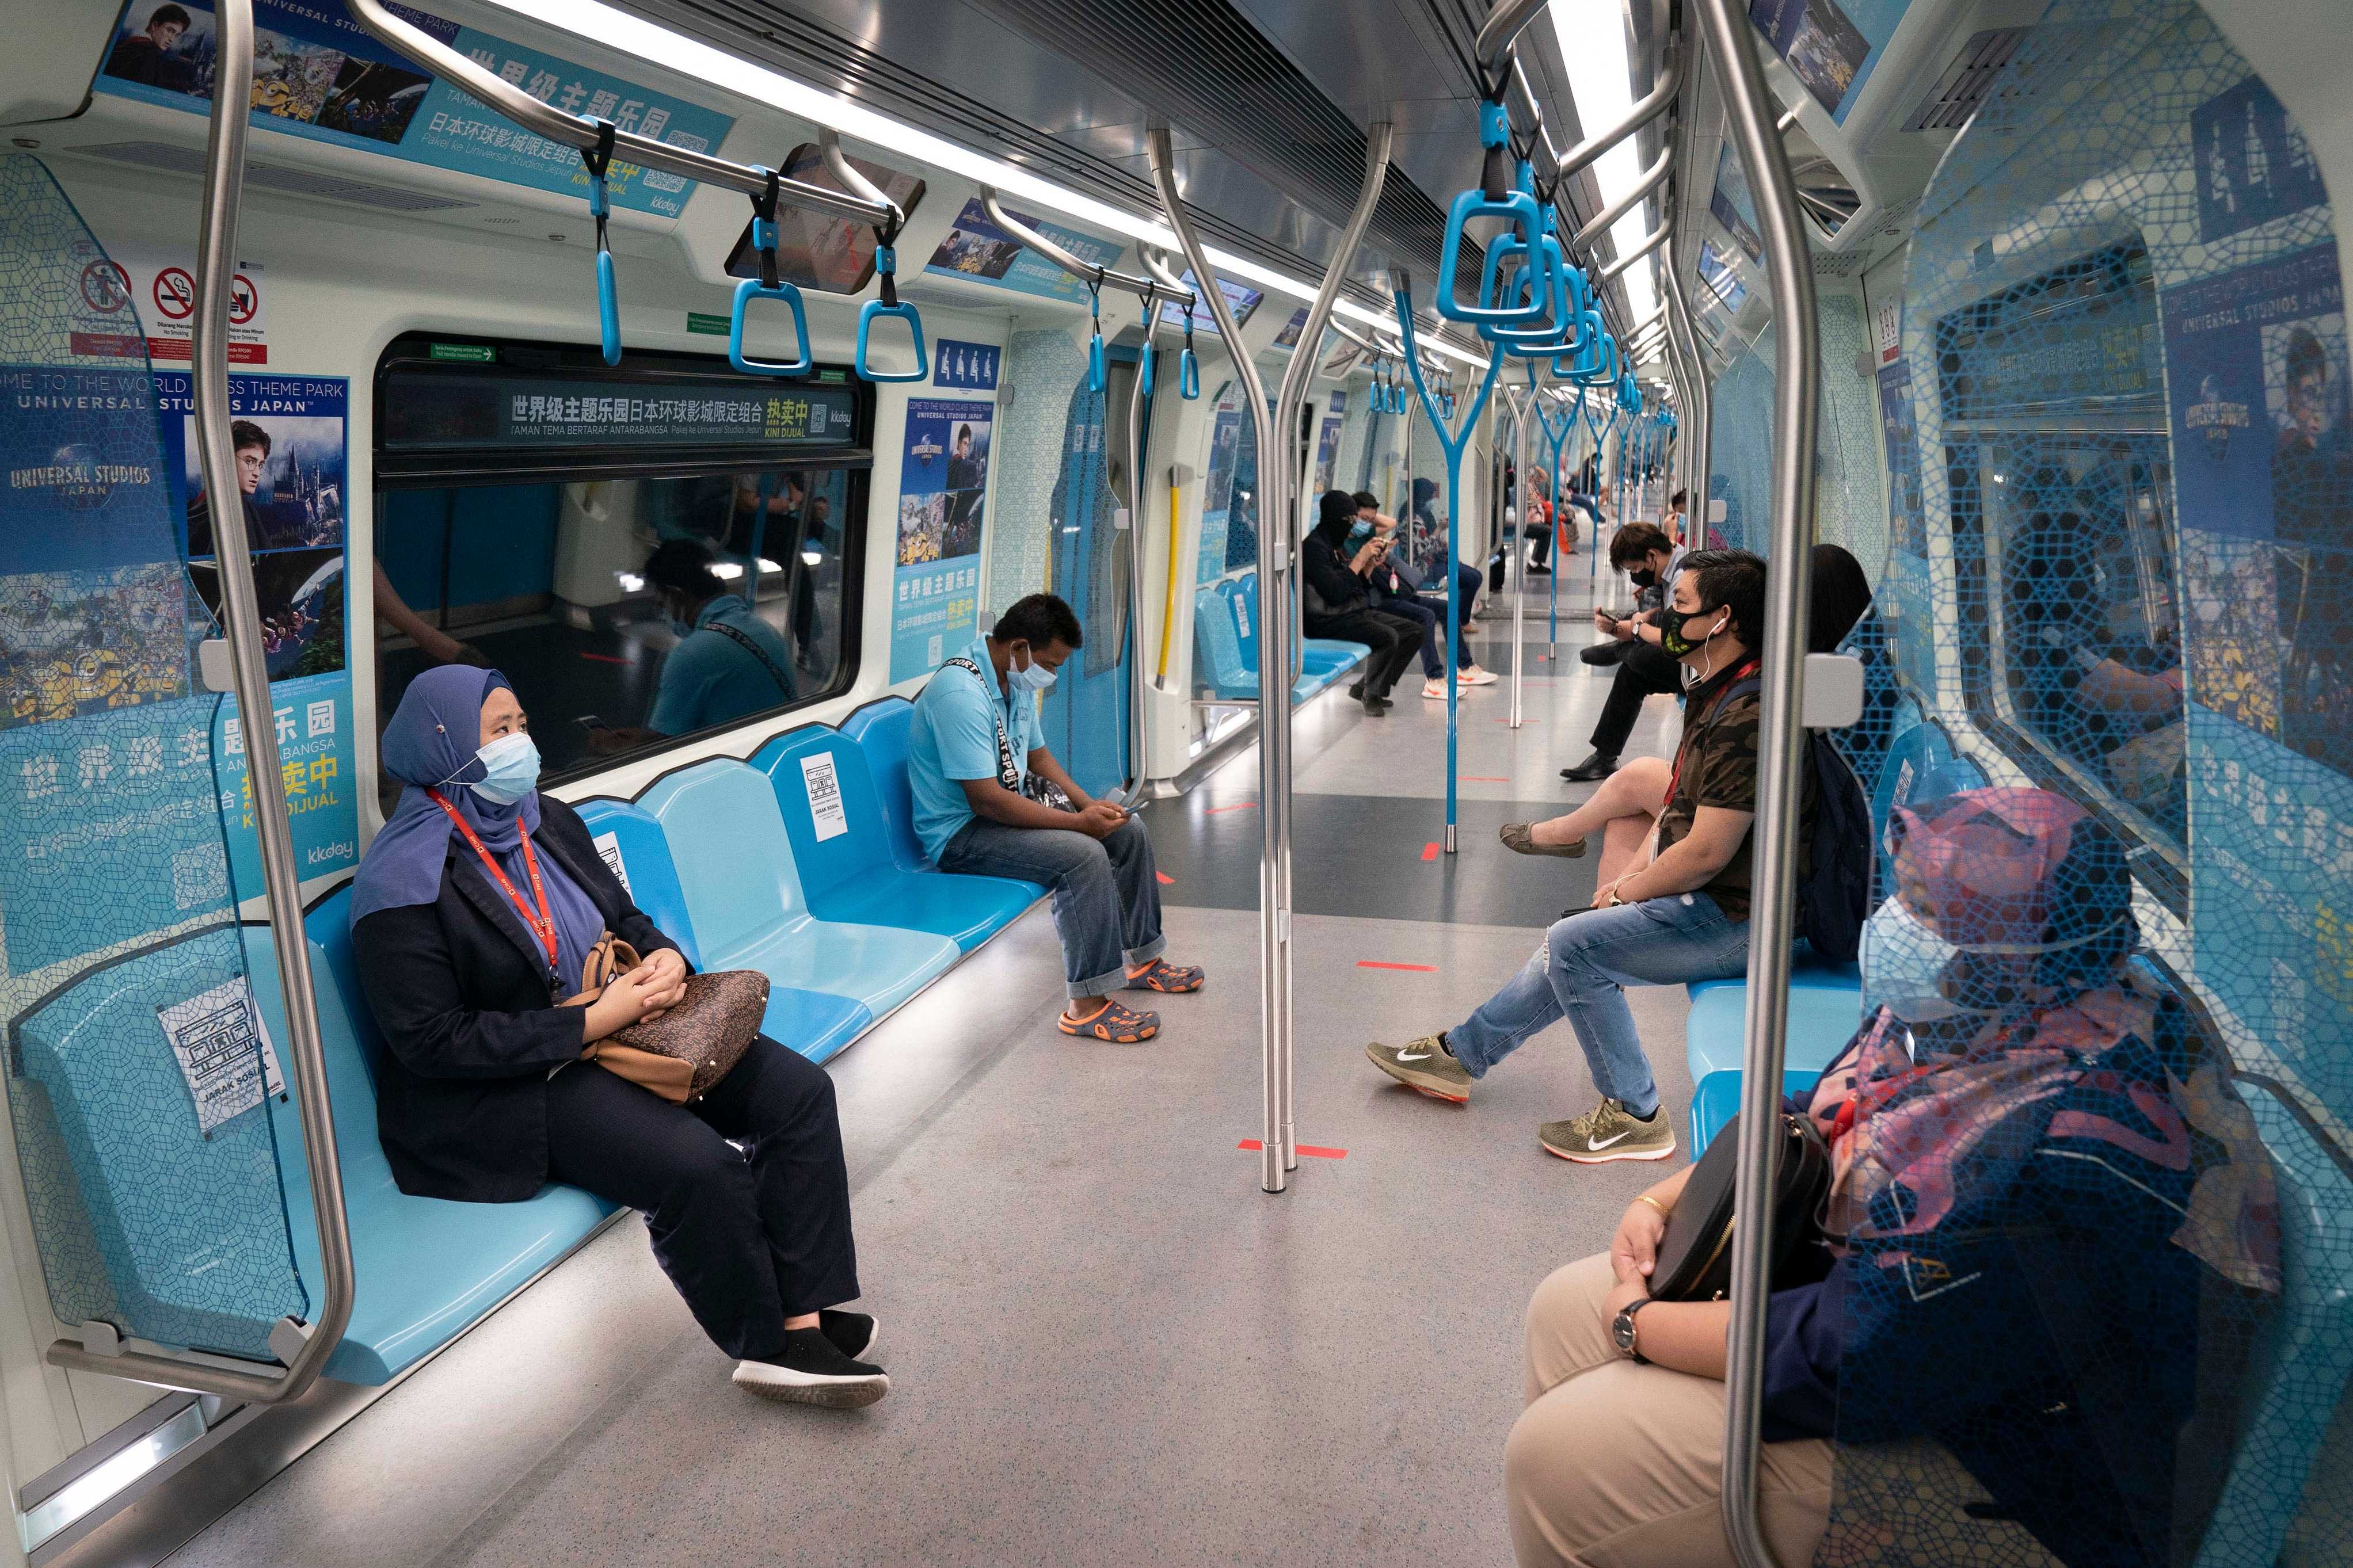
(1580, 973)
(1106, 892)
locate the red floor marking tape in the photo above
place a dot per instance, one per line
(1524, 720)
(1165, 880)
(1381, 963)
(1242, 805)
(1429, 851)
(604, 659)
(1320, 1153)
(1481, 778)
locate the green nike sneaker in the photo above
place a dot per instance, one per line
(1424, 1065)
(1609, 1131)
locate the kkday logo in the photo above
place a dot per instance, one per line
(2215, 416)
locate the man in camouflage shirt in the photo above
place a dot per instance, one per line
(1671, 910)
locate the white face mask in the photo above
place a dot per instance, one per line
(1905, 963)
(1034, 677)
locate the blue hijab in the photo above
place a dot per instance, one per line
(431, 742)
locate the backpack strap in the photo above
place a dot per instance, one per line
(736, 636)
(1008, 771)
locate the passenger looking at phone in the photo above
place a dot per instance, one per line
(1644, 669)
(1396, 590)
(1339, 600)
(728, 663)
(977, 764)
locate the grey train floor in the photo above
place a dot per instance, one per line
(1107, 1345)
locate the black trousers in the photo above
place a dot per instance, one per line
(1644, 672)
(750, 1236)
(1394, 639)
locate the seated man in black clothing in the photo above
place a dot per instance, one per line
(1338, 602)
(1643, 670)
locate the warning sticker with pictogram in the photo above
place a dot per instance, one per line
(175, 294)
(105, 287)
(164, 293)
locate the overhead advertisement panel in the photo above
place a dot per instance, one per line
(1830, 47)
(317, 75)
(978, 251)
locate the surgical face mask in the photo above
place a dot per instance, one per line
(510, 769)
(1903, 965)
(1675, 628)
(1035, 678)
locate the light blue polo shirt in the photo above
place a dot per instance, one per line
(953, 737)
(710, 679)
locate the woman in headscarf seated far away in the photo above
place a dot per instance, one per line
(473, 916)
(2050, 1232)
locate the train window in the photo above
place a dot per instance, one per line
(2062, 486)
(815, 251)
(672, 579)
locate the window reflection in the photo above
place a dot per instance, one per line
(635, 611)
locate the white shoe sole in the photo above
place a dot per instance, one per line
(770, 1381)
(1430, 1084)
(1607, 1156)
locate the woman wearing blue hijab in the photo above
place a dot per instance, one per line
(471, 916)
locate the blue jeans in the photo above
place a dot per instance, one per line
(1432, 614)
(1106, 891)
(1580, 973)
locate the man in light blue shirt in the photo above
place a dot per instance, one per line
(729, 664)
(972, 748)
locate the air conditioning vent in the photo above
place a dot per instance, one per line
(1840, 265)
(177, 160)
(1963, 86)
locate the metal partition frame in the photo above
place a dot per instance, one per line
(282, 884)
(1278, 484)
(1788, 592)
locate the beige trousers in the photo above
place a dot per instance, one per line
(1618, 1466)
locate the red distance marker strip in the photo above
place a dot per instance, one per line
(1165, 880)
(1321, 1153)
(1244, 805)
(1482, 778)
(604, 659)
(1410, 968)
(1429, 851)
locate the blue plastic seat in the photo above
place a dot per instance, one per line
(1717, 1101)
(743, 894)
(817, 1024)
(1217, 663)
(1825, 1008)
(427, 1269)
(845, 865)
(880, 728)
(2303, 1365)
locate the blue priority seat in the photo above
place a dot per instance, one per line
(839, 846)
(815, 1022)
(1825, 1007)
(427, 1269)
(745, 895)
(880, 730)
(1717, 1101)
(1322, 661)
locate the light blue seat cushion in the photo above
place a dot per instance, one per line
(1825, 1009)
(880, 730)
(1717, 1101)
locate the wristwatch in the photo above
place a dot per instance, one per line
(1621, 1330)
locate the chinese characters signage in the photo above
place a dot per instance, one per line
(935, 584)
(444, 411)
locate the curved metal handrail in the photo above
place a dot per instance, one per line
(1657, 237)
(1653, 178)
(576, 131)
(1101, 277)
(1788, 594)
(838, 164)
(282, 884)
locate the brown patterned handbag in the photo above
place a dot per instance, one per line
(683, 1055)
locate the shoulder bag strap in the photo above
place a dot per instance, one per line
(736, 636)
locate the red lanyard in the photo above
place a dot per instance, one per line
(1675, 777)
(543, 925)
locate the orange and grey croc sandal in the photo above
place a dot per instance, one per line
(1166, 978)
(1120, 1025)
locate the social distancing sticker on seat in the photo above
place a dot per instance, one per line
(224, 1051)
(609, 845)
(824, 796)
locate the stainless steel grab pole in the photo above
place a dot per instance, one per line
(1656, 238)
(1288, 499)
(838, 164)
(1750, 109)
(1652, 177)
(1139, 682)
(1275, 599)
(545, 119)
(1522, 416)
(282, 886)
(1101, 277)
(1699, 471)
(1502, 25)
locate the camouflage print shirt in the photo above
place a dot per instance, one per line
(1716, 765)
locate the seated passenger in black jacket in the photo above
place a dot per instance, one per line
(471, 917)
(1338, 600)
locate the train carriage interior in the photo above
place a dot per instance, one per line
(1793, 559)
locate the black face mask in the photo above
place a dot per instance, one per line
(1645, 578)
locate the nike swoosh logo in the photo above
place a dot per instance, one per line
(1413, 1056)
(1593, 1145)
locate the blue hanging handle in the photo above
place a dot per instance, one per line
(1188, 368)
(1095, 378)
(767, 286)
(600, 158)
(1492, 198)
(889, 308)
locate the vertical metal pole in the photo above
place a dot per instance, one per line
(1138, 683)
(1701, 394)
(1524, 410)
(241, 623)
(1787, 583)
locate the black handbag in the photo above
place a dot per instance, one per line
(1694, 1260)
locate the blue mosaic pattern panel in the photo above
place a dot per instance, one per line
(2099, 1296)
(153, 1185)
(1043, 365)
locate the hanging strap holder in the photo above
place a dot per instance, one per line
(599, 161)
(769, 285)
(889, 307)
